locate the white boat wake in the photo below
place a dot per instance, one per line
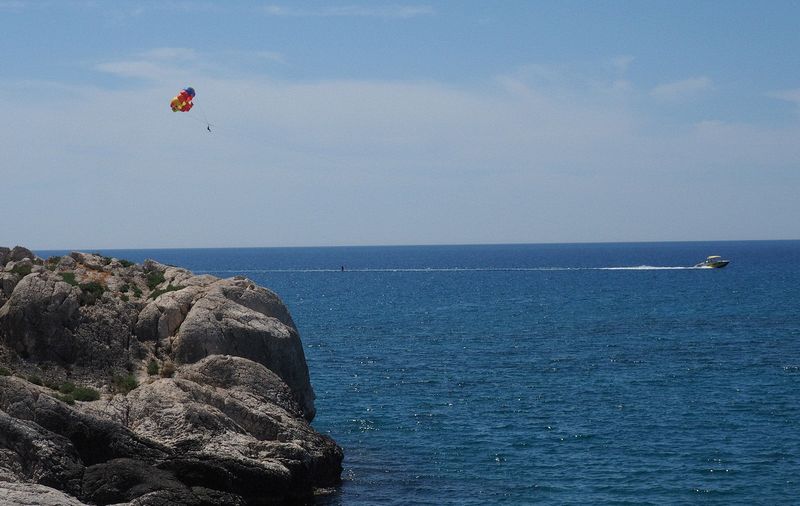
(456, 269)
(646, 268)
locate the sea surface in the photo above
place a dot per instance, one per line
(545, 374)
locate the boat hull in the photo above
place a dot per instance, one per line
(713, 265)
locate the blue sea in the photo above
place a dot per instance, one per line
(545, 374)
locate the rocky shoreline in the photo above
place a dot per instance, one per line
(148, 385)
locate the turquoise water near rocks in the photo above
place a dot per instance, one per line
(548, 374)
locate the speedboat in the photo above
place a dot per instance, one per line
(713, 262)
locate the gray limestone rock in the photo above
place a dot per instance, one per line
(40, 317)
(162, 317)
(66, 263)
(5, 253)
(229, 426)
(234, 317)
(32, 494)
(42, 456)
(18, 253)
(123, 479)
(19, 265)
(8, 280)
(223, 427)
(89, 260)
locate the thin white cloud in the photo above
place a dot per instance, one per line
(569, 82)
(13, 5)
(621, 63)
(373, 11)
(787, 95)
(537, 155)
(169, 53)
(273, 56)
(166, 63)
(146, 6)
(139, 69)
(155, 64)
(679, 90)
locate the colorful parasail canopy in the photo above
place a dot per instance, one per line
(183, 100)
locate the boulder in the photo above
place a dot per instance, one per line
(90, 439)
(20, 253)
(122, 480)
(229, 424)
(234, 317)
(104, 339)
(42, 456)
(8, 280)
(29, 494)
(162, 317)
(22, 265)
(66, 263)
(40, 317)
(225, 427)
(89, 260)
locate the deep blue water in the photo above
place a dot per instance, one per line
(542, 373)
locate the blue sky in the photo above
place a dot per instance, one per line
(348, 123)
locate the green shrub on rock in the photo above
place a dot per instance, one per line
(67, 387)
(69, 278)
(154, 279)
(160, 291)
(152, 368)
(22, 270)
(85, 394)
(68, 398)
(124, 384)
(91, 292)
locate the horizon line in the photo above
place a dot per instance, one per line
(157, 248)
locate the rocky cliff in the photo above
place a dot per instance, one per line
(148, 385)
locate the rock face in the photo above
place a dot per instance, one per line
(146, 384)
(40, 318)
